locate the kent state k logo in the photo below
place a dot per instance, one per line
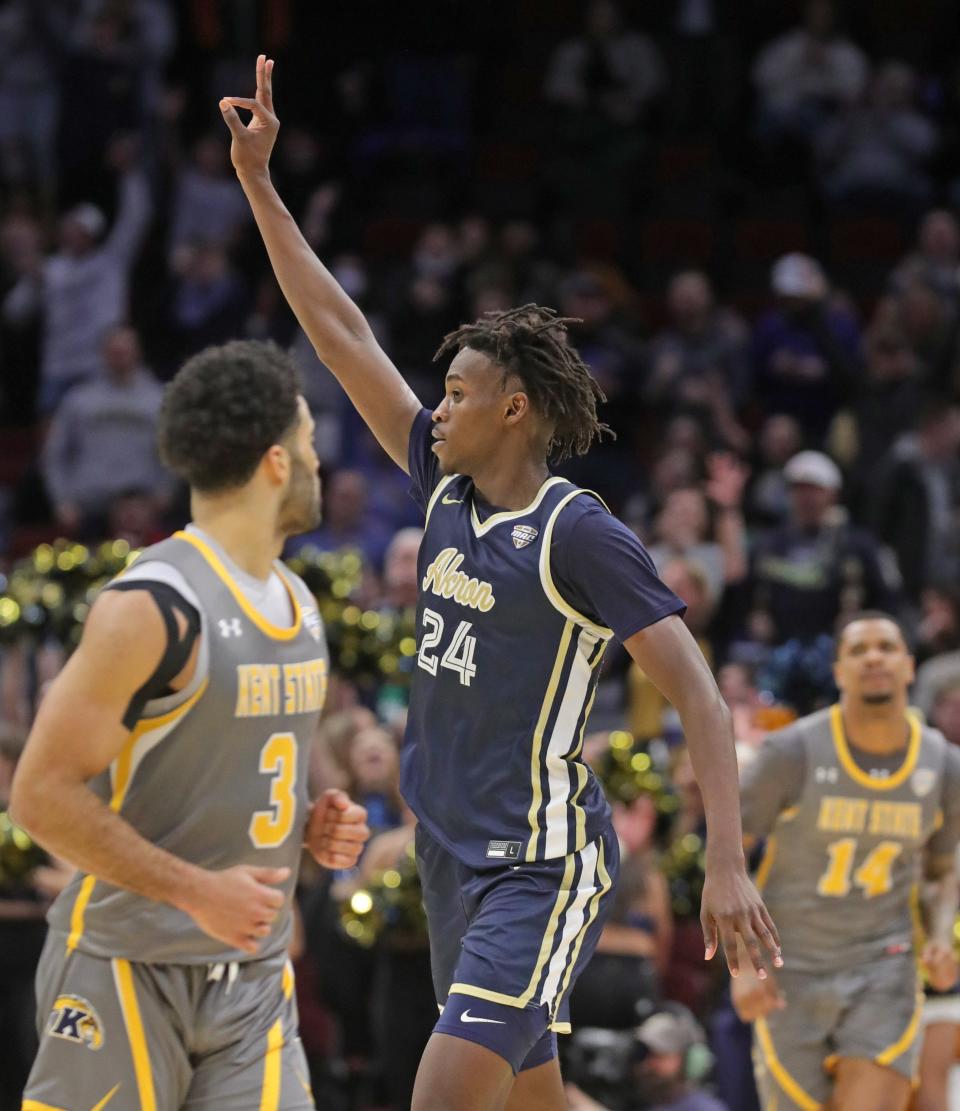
(75, 1020)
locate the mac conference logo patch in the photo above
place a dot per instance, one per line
(523, 535)
(75, 1020)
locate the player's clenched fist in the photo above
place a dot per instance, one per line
(238, 905)
(336, 830)
(252, 143)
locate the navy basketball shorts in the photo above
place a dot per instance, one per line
(507, 943)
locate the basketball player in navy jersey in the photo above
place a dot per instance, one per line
(524, 580)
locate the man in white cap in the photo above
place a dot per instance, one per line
(816, 566)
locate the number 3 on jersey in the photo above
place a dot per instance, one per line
(459, 654)
(278, 759)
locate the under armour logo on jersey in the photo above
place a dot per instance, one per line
(231, 628)
(825, 775)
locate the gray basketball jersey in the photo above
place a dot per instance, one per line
(219, 780)
(842, 867)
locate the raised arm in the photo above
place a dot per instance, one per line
(667, 653)
(78, 733)
(335, 326)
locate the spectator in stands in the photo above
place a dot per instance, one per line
(82, 289)
(805, 349)
(806, 75)
(916, 497)
(883, 406)
(604, 339)
(936, 259)
(701, 341)
(808, 571)
(879, 153)
(209, 301)
(102, 439)
(929, 323)
(401, 584)
(601, 84)
(683, 527)
(31, 37)
(346, 522)
(209, 205)
(938, 629)
(945, 715)
(767, 499)
(606, 70)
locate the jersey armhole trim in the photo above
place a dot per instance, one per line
(558, 602)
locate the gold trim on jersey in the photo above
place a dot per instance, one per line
(275, 632)
(766, 862)
(123, 770)
(437, 491)
(272, 1061)
(857, 774)
(583, 776)
(546, 578)
(804, 1101)
(133, 1021)
(535, 769)
(906, 1039)
(605, 884)
(546, 948)
(106, 1099)
(481, 528)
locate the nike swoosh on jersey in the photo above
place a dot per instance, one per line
(447, 500)
(467, 1017)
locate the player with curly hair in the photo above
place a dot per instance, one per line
(168, 764)
(524, 580)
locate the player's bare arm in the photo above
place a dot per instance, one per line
(731, 906)
(78, 733)
(940, 898)
(335, 326)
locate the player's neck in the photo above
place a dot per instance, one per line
(509, 483)
(877, 729)
(249, 538)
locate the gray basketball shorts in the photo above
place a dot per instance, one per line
(128, 1036)
(870, 1011)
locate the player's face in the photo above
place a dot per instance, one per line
(300, 508)
(468, 424)
(873, 664)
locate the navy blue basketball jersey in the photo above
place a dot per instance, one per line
(507, 669)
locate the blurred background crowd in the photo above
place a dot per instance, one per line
(749, 206)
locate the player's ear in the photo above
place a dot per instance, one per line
(276, 464)
(518, 406)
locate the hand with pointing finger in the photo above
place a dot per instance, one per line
(252, 143)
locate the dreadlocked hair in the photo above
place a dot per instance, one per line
(531, 343)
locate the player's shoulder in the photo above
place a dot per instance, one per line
(799, 734)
